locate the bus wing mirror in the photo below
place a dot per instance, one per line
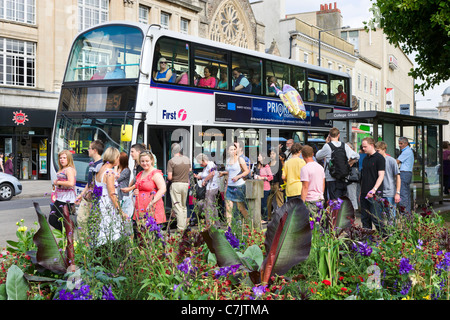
(126, 132)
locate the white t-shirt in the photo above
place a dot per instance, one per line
(314, 174)
(212, 183)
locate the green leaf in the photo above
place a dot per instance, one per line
(16, 285)
(288, 239)
(254, 252)
(219, 245)
(212, 258)
(342, 218)
(48, 254)
(3, 295)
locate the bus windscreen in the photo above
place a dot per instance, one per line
(111, 52)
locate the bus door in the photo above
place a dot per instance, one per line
(160, 140)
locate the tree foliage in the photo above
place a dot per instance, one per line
(421, 27)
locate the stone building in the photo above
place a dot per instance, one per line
(379, 70)
(35, 39)
(444, 112)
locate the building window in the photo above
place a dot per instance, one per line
(359, 81)
(305, 57)
(330, 65)
(376, 88)
(17, 62)
(365, 84)
(143, 14)
(92, 12)
(184, 26)
(18, 10)
(165, 20)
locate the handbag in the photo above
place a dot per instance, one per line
(355, 174)
(127, 205)
(200, 192)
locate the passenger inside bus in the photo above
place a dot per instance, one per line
(271, 91)
(164, 72)
(208, 81)
(341, 96)
(240, 82)
(312, 96)
(183, 78)
(116, 72)
(223, 81)
(256, 84)
(102, 69)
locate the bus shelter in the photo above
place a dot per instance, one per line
(424, 135)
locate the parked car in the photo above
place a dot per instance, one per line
(9, 186)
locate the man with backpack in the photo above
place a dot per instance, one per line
(337, 156)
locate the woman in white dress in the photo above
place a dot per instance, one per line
(111, 218)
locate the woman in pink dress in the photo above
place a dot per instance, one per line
(207, 81)
(150, 187)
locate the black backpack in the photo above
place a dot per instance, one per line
(338, 165)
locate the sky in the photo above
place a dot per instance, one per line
(354, 12)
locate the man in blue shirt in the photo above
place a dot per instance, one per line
(406, 162)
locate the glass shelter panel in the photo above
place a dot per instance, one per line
(432, 161)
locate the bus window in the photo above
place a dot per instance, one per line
(171, 61)
(210, 65)
(298, 80)
(244, 70)
(338, 90)
(277, 74)
(317, 87)
(111, 52)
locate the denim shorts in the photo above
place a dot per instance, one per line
(235, 193)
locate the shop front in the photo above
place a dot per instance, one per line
(25, 136)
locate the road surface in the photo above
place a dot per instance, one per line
(16, 209)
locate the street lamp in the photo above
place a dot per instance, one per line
(320, 42)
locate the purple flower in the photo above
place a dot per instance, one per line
(364, 249)
(405, 267)
(107, 293)
(224, 271)
(444, 264)
(97, 191)
(419, 244)
(78, 294)
(186, 266)
(335, 204)
(232, 238)
(319, 205)
(259, 290)
(153, 226)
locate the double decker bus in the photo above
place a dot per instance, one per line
(128, 83)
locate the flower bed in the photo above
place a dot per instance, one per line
(299, 257)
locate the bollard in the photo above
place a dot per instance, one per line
(254, 191)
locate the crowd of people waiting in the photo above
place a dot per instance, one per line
(128, 195)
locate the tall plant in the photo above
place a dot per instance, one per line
(288, 242)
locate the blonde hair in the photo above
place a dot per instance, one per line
(381, 145)
(147, 154)
(110, 155)
(69, 159)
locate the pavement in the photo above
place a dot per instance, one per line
(43, 188)
(35, 189)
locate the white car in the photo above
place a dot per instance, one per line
(9, 186)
